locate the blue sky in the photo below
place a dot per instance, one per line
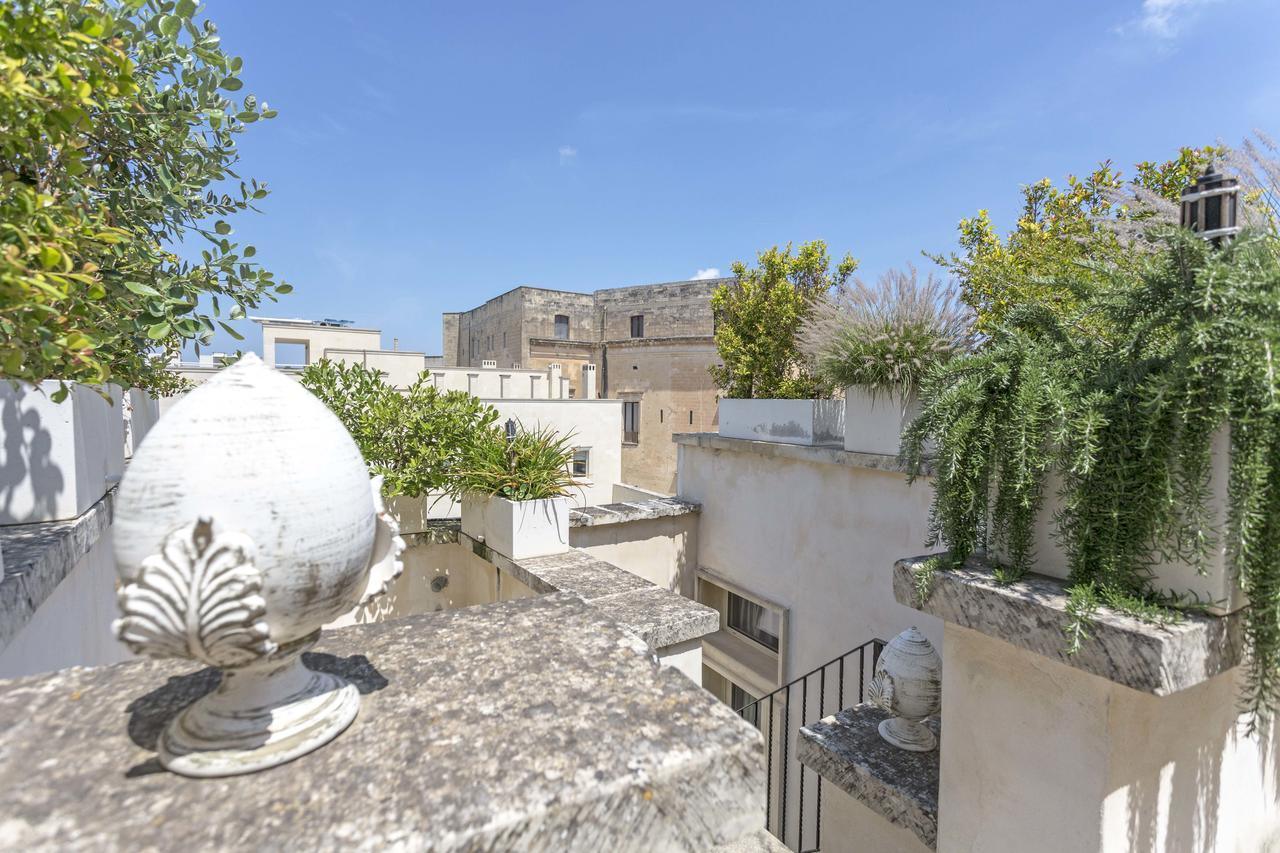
(429, 156)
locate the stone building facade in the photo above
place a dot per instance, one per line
(651, 345)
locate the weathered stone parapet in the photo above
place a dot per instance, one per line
(902, 787)
(819, 455)
(37, 557)
(620, 513)
(1032, 614)
(658, 616)
(479, 729)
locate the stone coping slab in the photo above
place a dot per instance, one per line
(38, 556)
(620, 513)
(479, 729)
(820, 454)
(660, 617)
(1032, 614)
(902, 787)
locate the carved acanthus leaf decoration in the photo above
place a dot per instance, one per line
(880, 691)
(198, 598)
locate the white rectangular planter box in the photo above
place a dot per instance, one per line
(1218, 585)
(875, 424)
(518, 529)
(809, 422)
(56, 459)
(141, 413)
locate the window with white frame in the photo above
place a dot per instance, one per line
(581, 465)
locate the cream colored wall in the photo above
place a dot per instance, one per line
(850, 827)
(472, 581)
(661, 550)
(400, 369)
(73, 625)
(818, 539)
(1037, 754)
(317, 338)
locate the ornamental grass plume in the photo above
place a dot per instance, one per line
(884, 337)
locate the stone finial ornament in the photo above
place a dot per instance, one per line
(244, 523)
(908, 684)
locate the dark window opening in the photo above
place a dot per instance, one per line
(752, 620)
(581, 462)
(631, 421)
(637, 325)
(562, 327)
(739, 699)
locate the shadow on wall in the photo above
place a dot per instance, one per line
(30, 483)
(1219, 788)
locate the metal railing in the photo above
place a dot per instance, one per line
(795, 821)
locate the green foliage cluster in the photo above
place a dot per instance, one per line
(1061, 233)
(885, 337)
(532, 466)
(758, 319)
(117, 142)
(416, 439)
(1125, 422)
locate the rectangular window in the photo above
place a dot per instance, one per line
(752, 620)
(637, 325)
(739, 699)
(631, 421)
(582, 462)
(562, 326)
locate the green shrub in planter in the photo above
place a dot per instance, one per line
(532, 466)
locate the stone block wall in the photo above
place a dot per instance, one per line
(674, 309)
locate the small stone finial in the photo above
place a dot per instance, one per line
(245, 522)
(908, 684)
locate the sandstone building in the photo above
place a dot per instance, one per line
(650, 344)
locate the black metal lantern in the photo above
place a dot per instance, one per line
(511, 430)
(1210, 205)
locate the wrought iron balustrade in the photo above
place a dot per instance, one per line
(842, 682)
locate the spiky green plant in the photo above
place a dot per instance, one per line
(532, 466)
(1127, 422)
(885, 336)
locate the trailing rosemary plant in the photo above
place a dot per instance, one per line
(885, 337)
(1121, 402)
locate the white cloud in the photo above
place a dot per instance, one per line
(568, 154)
(1165, 19)
(709, 272)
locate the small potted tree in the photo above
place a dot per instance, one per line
(515, 485)
(769, 391)
(877, 342)
(414, 439)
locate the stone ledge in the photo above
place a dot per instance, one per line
(38, 556)
(658, 616)
(902, 787)
(817, 454)
(479, 729)
(1032, 614)
(621, 513)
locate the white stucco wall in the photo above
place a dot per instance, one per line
(816, 537)
(1033, 749)
(73, 625)
(471, 580)
(317, 339)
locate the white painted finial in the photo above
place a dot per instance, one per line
(244, 523)
(908, 684)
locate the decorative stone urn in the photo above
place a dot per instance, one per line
(245, 522)
(908, 684)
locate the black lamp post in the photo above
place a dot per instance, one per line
(1210, 205)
